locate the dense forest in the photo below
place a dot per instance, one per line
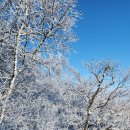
(39, 89)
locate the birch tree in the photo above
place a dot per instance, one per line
(29, 31)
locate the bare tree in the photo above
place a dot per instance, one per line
(108, 83)
(39, 90)
(29, 31)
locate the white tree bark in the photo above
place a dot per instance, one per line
(4, 98)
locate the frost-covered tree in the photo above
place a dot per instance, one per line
(100, 101)
(107, 86)
(31, 30)
(39, 90)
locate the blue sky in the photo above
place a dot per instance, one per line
(103, 31)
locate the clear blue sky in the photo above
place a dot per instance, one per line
(103, 31)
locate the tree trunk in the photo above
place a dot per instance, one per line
(6, 96)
